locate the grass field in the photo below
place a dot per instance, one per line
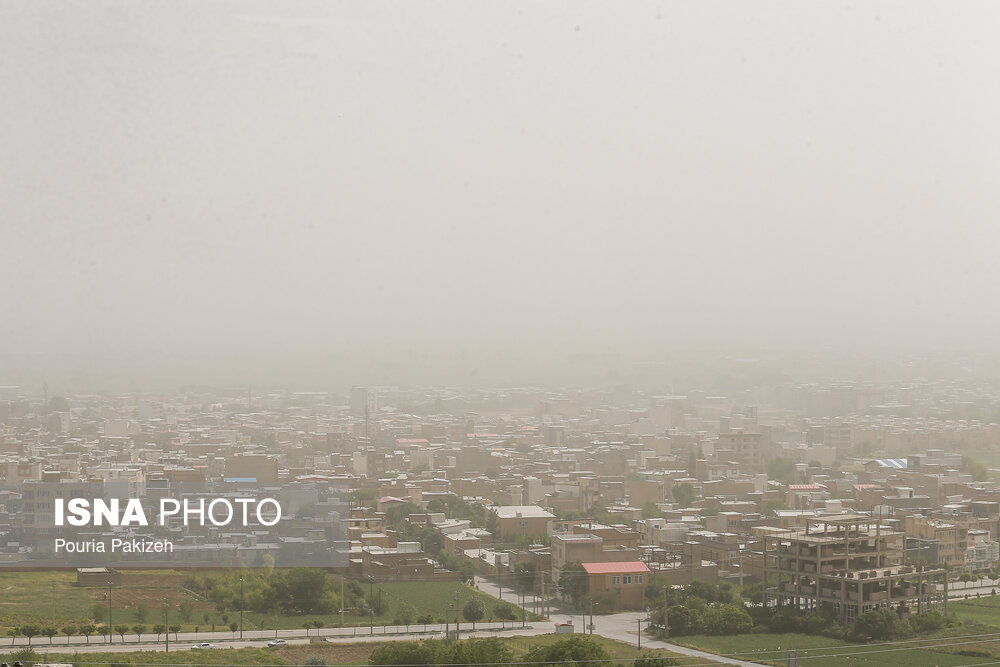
(985, 611)
(825, 652)
(434, 599)
(34, 597)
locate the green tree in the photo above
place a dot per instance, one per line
(879, 624)
(473, 611)
(138, 629)
(233, 627)
(504, 612)
(50, 632)
(407, 612)
(651, 511)
(98, 612)
(120, 630)
(104, 630)
(30, 631)
(13, 633)
(177, 628)
(69, 631)
(928, 621)
(726, 619)
(141, 611)
(88, 629)
(576, 651)
(684, 494)
(304, 590)
(978, 470)
(185, 610)
(159, 629)
(683, 620)
(574, 581)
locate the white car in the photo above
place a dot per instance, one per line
(277, 642)
(202, 645)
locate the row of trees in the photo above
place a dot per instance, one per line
(69, 631)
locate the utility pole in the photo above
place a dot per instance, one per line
(341, 603)
(371, 604)
(53, 604)
(110, 628)
(166, 624)
(241, 608)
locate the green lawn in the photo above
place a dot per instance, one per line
(31, 597)
(985, 611)
(433, 598)
(773, 649)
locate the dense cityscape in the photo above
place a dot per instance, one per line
(831, 507)
(340, 333)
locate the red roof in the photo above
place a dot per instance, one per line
(629, 567)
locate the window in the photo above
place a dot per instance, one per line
(628, 578)
(617, 579)
(638, 578)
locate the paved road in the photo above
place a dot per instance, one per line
(624, 626)
(185, 640)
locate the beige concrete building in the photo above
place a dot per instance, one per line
(848, 563)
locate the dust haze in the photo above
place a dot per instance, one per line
(316, 194)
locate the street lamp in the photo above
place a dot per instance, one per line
(53, 604)
(592, 603)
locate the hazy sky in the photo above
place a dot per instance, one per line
(413, 190)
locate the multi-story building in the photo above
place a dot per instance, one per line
(513, 520)
(949, 537)
(982, 553)
(848, 563)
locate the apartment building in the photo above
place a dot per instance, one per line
(981, 552)
(949, 538)
(513, 520)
